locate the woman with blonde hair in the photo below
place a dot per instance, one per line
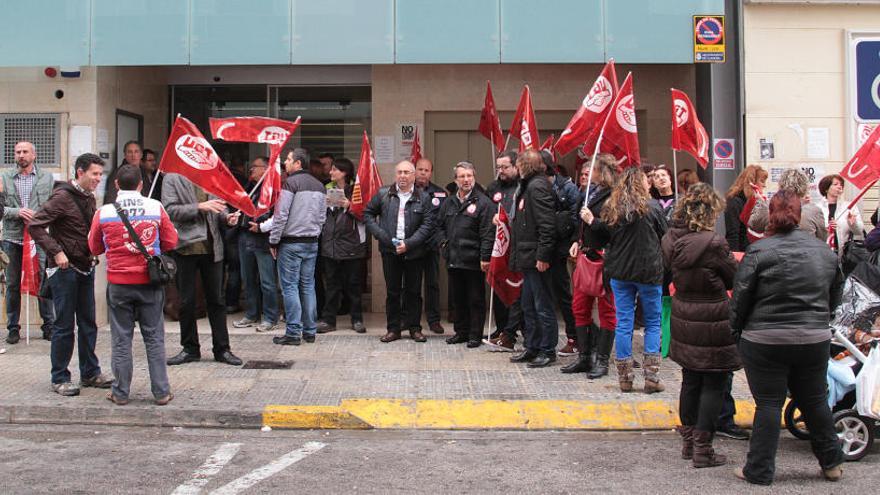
(738, 195)
(594, 342)
(702, 271)
(634, 225)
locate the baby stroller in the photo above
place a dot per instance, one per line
(856, 432)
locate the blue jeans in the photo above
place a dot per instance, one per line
(258, 277)
(625, 306)
(296, 269)
(13, 284)
(74, 297)
(541, 330)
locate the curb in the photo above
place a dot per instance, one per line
(395, 414)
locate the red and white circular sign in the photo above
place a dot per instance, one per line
(681, 112)
(599, 97)
(196, 152)
(626, 114)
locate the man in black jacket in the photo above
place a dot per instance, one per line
(466, 236)
(401, 219)
(533, 242)
(437, 195)
(502, 191)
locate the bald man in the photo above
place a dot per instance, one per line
(401, 218)
(27, 187)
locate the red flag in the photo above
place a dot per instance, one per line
(189, 154)
(524, 125)
(273, 132)
(584, 126)
(621, 136)
(415, 153)
(863, 168)
(688, 134)
(507, 284)
(490, 124)
(30, 266)
(367, 181)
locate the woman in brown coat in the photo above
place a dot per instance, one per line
(702, 271)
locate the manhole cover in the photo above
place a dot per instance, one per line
(268, 365)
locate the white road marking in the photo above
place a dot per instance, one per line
(274, 467)
(212, 466)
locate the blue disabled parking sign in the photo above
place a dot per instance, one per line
(868, 80)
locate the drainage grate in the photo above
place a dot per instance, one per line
(267, 365)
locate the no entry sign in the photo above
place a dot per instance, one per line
(722, 154)
(709, 38)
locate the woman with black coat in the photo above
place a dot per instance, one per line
(737, 196)
(784, 292)
(702, 271)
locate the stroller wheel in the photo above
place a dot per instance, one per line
(855, 432)
(794, 421)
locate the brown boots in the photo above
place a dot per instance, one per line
(625, 374)
(652, 374)
(687, 441)
(704, 454)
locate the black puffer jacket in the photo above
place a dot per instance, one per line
(465, 230)
(341, 236)
(785, 281)
(702, 270)
(380, 217)
(533, 235)
(437, 196)
(503, 192)
(633, 252)
(593, 241)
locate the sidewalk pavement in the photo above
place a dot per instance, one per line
(346, 380)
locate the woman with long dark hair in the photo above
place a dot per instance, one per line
(738, 195)
(633, 263)
(702, 270)
(783, 294)
(343, 253)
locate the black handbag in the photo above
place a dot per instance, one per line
(854, 252)
(161, 269)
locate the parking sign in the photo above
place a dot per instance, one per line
(867, 80)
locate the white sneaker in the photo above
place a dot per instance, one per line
(265, 327)
(244, 323)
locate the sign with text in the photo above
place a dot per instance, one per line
(723, 154)
(709, 46)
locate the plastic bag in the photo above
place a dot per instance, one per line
(857, 299)
(868, 386)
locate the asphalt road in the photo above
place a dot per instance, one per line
(75, 459)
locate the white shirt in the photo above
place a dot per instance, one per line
(401, 213)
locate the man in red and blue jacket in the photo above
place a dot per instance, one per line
(130, 295)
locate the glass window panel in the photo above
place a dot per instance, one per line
(452, 31)
(343, 32)
(140, 32)
(240, 32)
(48, 32)
(576, 35)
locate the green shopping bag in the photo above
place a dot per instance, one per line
(666, 316)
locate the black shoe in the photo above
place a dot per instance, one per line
(359, 327)
(525, 356)
(183, 357)
(228, 357)
(232, 309)
(309, 339)
(324, 327)
(602, 351)
(733, 431)
(13, 337)
(47, 334)
(286, 340)
(542, 361)
(473, 344)
(582, 365)
(457, 339)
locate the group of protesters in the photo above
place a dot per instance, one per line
(635, 236)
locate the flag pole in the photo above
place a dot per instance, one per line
(27, 318)
(854, 201)
(488, 327)
(675, 172)
(158, 169)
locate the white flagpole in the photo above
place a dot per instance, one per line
(158, 169)
(488, 327)
(593, 164)
(27, 318)
(852, 203)
(675, 172)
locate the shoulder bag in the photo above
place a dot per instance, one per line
(160, 268)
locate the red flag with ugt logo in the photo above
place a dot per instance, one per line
(273, 132)
(524, 125)
(30, 266)
(490, 124)
(189, 154)
(621, 137)
(415, 153)
(688, 134)
(583, 129)
(367, 182)
(863, 169)
(507, 283)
